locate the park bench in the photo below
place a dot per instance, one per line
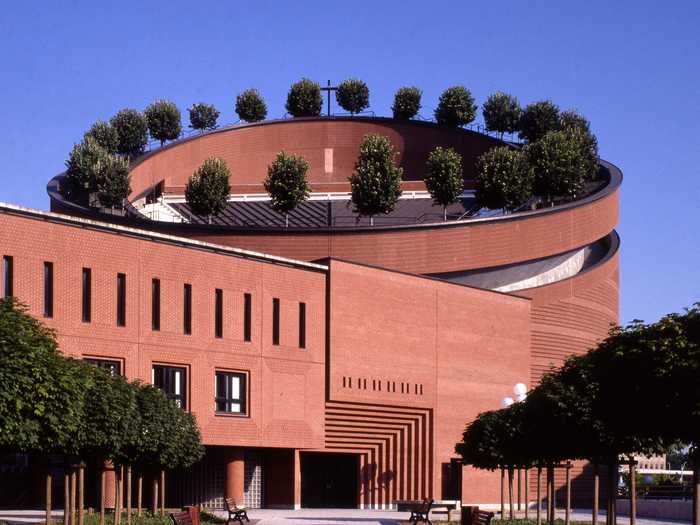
(482, 517)
(235, 512)
(420, 510)
(411, 505)
(181, 518)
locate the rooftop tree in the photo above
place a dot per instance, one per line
(164, 121)
(376, 180)
(113, 182)
(287, 184)
(304, 99)
(352, 95)
(203, 116)
(132, 130)
(208, 188)
(85, 164)
(105, 135)
(578, 127)
(502, 113)
(443, 177)
(504, 179)
(456, 107)
(250, 106)
(407, 103)
(538, 119)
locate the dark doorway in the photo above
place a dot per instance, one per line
(329, 480)
(452, 480)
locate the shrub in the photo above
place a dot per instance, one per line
(407, 103)
(502, 113)
(203, 116)
(250, 106)
(443, 177)
(376, 181)
(504, 178)
(164, 120)
(85, 163)
(105, 135)
(538, 119)
(352, 95)
(132, 130)
(208, 188)
(113, 182)
(304, 99)
(456, 107)
(286, 183)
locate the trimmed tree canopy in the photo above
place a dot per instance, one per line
(560, 164)
(352, 95)
(164, 120)
(132, 130)
(105, 135)
(203, 116)
(504, 179)
(208, 188)
(85, 164)
(578, 127)
(304, 99)
(407, 103)
(502, 113)
(538, 119)
(250, 106)
(456, 107)
(113, 182)
(443, 176)
(376, 181)
(286, 182)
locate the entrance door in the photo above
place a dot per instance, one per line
(329, 480)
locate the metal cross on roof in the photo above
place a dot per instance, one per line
(329, 88)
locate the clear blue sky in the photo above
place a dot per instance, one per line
(632, 67)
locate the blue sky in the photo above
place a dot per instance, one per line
(632, 67)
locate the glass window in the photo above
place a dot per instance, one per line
(247, 317)
(275, 321)
(113, 366)
(155, 304)
(7, 272)
(173, 381)
(302, 325)
(187, 310)
(48, 289)
(231, 392)
(87, 295)
(121, 299)
(219, 313)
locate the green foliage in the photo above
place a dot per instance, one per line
(443, 176)
(250, 106)
(113, 182)
(208, 188)
(203, 116)
(352, 95)
(304, 99)
(164, 120)
(85, 164)
(538, 119)
(407, 103)
(205, 518)
(504, 178)
(456, 107)
(560, 164)
(105, 135)
(502, 113)
(132, 130)
(579, 129)
(286, 182)
(376, 181)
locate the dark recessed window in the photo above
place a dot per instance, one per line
(187, 309)
(302, 325)
(247, 317)
(7, 275)
(113, 366)
(231, 392)
(121, 299)
(219, 313)
(155, 304)
(275, 321)
(173, 381)
(48, 289)
(87, 295)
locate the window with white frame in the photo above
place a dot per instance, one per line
(231, 391)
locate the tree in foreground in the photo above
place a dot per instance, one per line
(376, 181)
(504, 179)
(208, 188)
(578, 127)
(203, 116)
(538, 119)
(164, 121)
(287, 184)
(443, 177)
(85, 164)
(132, 131)
(456, 107)
(407, 103)
(105, 135)
(352, 95)
(113, 182)
(304, 99)
(502, 113)
(250, 106)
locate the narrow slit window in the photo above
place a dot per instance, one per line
(7, 274)
(121, 299)
(302, 325)
(275, 321)
(187, 309)
(155, 304)
(87, 295)
(219, 313)
(48, 289)
(247, 317)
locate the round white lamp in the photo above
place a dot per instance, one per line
(520, 389)
(507, 401)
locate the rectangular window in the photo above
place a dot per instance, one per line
(187, 309)
(113, 366)
(230, 392)
(302, 325)
(173, 381)
(219, 313)
(87, 295)
(275, 321)
(48, 289)
(7, 275)
(247, 317)
(121, 299)
(155, 304)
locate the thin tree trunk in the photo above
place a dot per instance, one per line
(520, 488)
(539, 493)
(612, 492)
(596, 493)
(511, 509)
(444, 213)
(49, 480)
(552, 495)
(103, 483)
(73, 482)
(128, 495)
(81, 493)
(66, 496)
(567, 515)
(371, 220)
(154, 503)
(118, 494)
(286, 220)
(633, 492)
(162, 492)
(139, 492)
(696, 489)
(503, 496)
(527, 495)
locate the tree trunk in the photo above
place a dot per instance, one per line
(128, 495)
(139, 492)
(117, 494)
(162, 492)
(539, 494)
(696, 489)
(527, 495)
(567, 515)
(103, 483)
(371, 220)
(66, 496)
(81, 493)
(551, 495)
(73, 483)
(520, 488)
(49, 480)
(596, 493)
(154, 503)
(612, 492)
(511, 509)
(633, 492)
(286, 220)
(503, 496)
(444, 213)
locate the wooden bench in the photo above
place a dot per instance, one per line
(235, 512)
(482, 517)
(420, 510)
(181, 518)
(411, 505)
